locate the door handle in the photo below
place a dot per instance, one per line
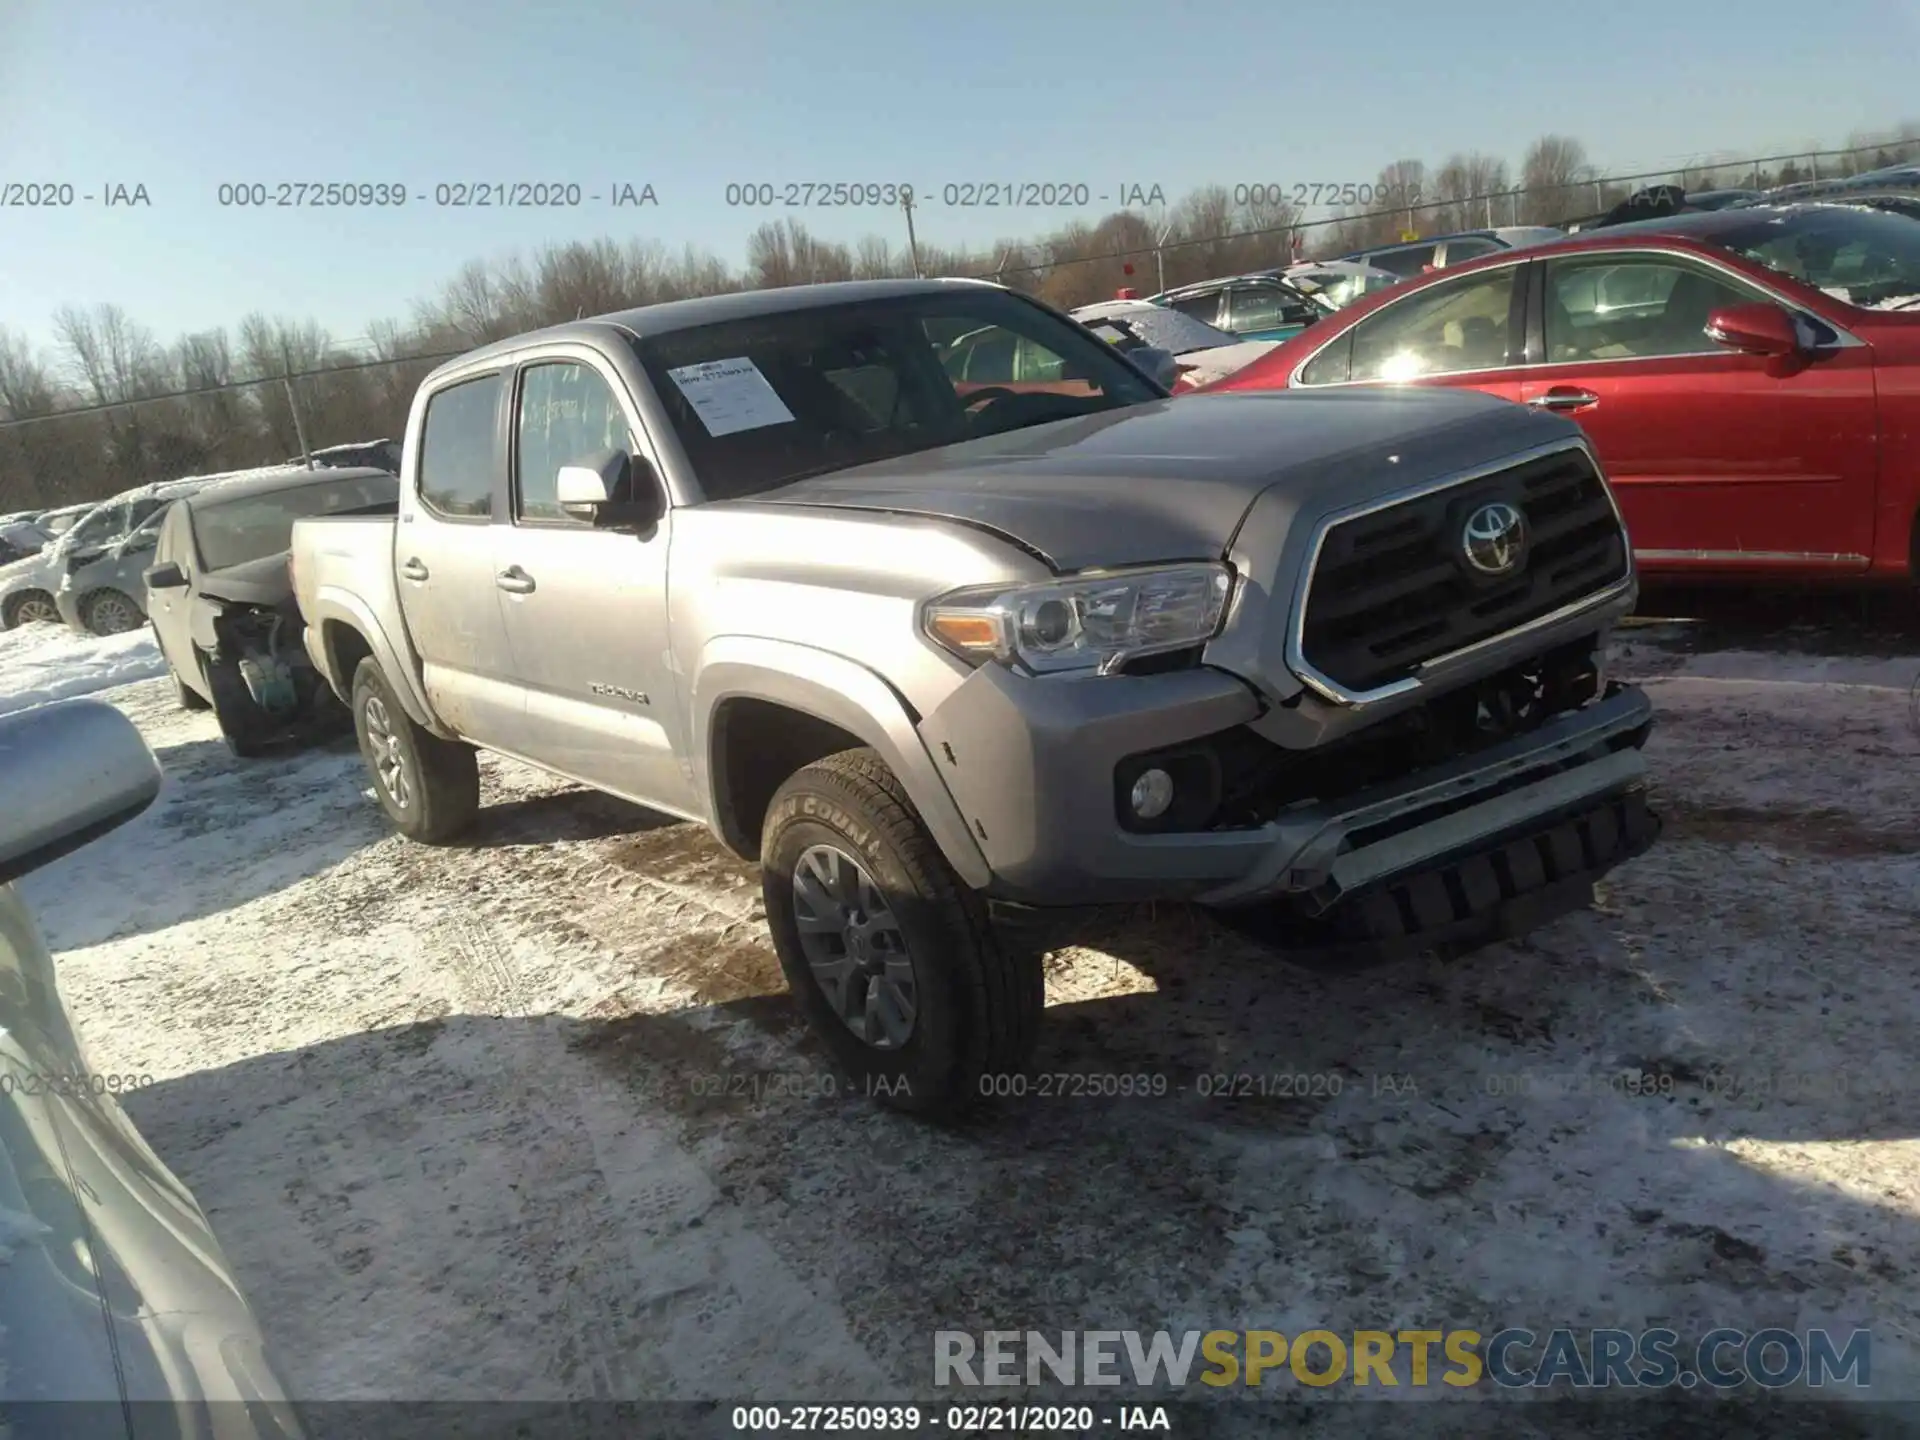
(413, 570)
(1563, 397)
(514, 581)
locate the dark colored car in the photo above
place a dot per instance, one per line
(119, 1315)
(1657, 202)
(361, 454)
(220, 598)
(1261, 306)
(1749, 377)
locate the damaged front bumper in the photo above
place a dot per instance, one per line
(1503, 834)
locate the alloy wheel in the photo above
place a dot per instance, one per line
(854, 947)
(35, 610)
(112, 613)
(389, 760)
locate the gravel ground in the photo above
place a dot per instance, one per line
(532, 1117)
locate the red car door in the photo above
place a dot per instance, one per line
(1721, 460)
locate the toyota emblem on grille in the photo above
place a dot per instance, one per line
(1495, 538)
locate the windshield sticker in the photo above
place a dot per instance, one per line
(730, 396)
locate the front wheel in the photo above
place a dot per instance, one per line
(429, 787)
(108, 612)
(892, 958)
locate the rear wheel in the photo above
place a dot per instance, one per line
(29, 607)
(108, 612)
(429, 787)
(891, 956)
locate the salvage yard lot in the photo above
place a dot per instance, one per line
(530, 1117)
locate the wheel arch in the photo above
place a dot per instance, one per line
(763, 708)
(347, 632)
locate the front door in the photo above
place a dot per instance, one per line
(1466, 331)
(1719, 458)
(586, 609)
(443, 559)
(167, 608)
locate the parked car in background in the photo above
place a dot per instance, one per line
(932, 654)
(1339, 282)
(1750, 377)
(378, 454)
(20, 540)
(1656, 202)
(116, 1303)
(28, 587)
(220, 598)
(103, 592)
(1201, 353)
(1441, 251)
(1261, 306)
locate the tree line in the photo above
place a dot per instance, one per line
(104, 358)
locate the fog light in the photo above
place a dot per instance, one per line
(1152, 794)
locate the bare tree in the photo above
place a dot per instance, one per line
(1554, 165)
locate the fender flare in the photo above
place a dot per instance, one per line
(842, 692)
(335, 606)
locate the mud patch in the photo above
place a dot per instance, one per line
(1833, 834)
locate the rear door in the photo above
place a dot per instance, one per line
(1719, 459)
(1468, 331)
(1208, 305)
(443, 560)
(586, 609)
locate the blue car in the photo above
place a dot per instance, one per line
(1263, 306)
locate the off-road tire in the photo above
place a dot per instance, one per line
(10, 616)
(189, 698)
(442, 776)
(978, 1002)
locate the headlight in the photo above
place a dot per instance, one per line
(1077, 624)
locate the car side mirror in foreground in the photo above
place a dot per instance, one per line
(612, 490)
(166, 577)
(1160, 365)
(71, 772)
(1755, 329)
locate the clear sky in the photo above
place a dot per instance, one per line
(183, 96)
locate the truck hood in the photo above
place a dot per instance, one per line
(1172, 479)
(255, 582)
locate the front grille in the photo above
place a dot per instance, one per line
(1392, 589)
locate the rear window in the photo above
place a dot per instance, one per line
(761, 402)
(252, 527)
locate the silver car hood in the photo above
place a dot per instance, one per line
(1173, 479)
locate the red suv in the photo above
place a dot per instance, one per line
(1750, 378)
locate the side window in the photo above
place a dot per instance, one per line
(567, 413)
(458, 451)
(1332, 365)
(1200, 307)
(1263, 307)
(984, 357)
(1405, 263)
(1609, 308)
(1035, 363)
(1445, 329)
(1461, 251)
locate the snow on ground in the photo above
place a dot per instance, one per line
(531, 1116)
(41, 663)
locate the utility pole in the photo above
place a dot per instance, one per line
(1160, 257)
(293, 404)
(913, 245)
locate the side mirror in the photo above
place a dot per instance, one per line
(1160, 365)
(166, 577)
(71, 772)
(1755, 329)
(611, 490)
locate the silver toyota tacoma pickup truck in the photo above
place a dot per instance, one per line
(939, 651)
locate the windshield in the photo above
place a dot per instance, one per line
(252, 527)
(60, 521)
(1162, 328)
(1865, 257)
(762, 402)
